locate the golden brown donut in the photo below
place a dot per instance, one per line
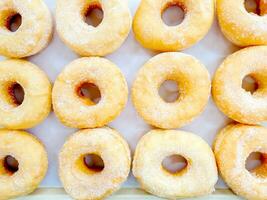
(194, 90)
(76, 111)
(36, 104)
(34, 33)
(31, 157)
(82, 182)
(233, 145)
(198, 178)
(221, 136)
(241, 27)
(237, 103)
(153, 33)
(87, 40)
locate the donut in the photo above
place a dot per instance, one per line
(221, 136)
(194, 89)
(34, 33)
(23, 163)
(262, 5)
(234, 144)
(151, 31)
(87, 40)
(36, 104)
(240, 26)
(94, 182)
(73, 109)
(234, 101)
(199, 176)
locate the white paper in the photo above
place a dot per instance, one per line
(130, 57)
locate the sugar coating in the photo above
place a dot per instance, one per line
(34, 33)
(230, 97)
(37, 95)
(237, 143)
(72, 110)
(194, 89)
(111, 147)
(200, 176)
(87, 40)
(151, 31)
(241, 27)
(32, 159)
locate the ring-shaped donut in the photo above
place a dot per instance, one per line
(32, 163)
(82, 182)
(241, 27)
(198, 178)
(234, 101)
(151, 31)
(36, 104)
(87, 40)
(194, 90)
(34, 33)
(76, 111)
(233, 145)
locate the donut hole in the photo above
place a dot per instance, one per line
(14, 22)
(10, 165)
(175, 164)
(173, 14)
(169, 91)
(16, 93)
(255, 7)
(93, 15)
(90, 93)
(250, 84)
(256, 163)
(93, 162)
(90, 163)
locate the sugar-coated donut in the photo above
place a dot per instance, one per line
(37, 95)
(151, 31)
(220, 137)
(233, 145)
(198, 178)
(241, 27)
(87, 40)
(194, 90)
(76, 111)
(34, 33)
(82, 182)
(32, 163)
(237, 103)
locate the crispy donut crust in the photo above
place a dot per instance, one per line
(233, 146)
(33, 163)
(200, 176)
(35, 31)
(235, 102)
(87, 40)
(241, 27)
(151, 31)
(78, 181)
(194, 90)
(37, 95)
(74, 111)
